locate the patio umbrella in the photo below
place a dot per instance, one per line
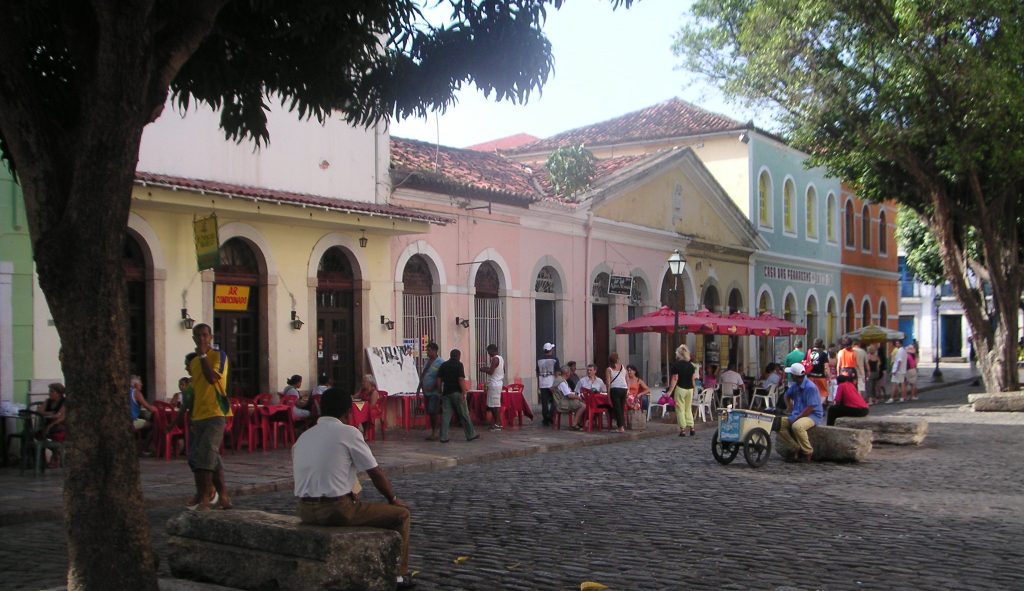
(724, 326)
(876, 334)
(663, 321)
(754, 326)
(786, 327)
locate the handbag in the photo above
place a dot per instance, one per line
(636, 419)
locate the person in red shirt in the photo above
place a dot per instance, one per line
(848, 402)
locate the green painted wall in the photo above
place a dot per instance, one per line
(15, 247)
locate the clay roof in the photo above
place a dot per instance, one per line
(504, 143)
(287, 197)
(481, 175)
(668, 119)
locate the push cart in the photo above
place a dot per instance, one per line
(748, 429)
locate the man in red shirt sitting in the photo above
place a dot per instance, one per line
(848, 402)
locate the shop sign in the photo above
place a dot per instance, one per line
(231, 298)
(620, 285)
(207, 242)
(792, 275)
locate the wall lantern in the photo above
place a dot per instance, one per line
(463, 322)
(296, 321)
(187, 322)
(363, 239)
(387, 323)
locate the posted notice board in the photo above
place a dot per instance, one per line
(394, 369)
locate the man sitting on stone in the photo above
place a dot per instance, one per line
(805, 412)
(326, 461)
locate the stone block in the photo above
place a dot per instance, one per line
(997, 401)
(259, 550)
(834, 444)
(892, 431)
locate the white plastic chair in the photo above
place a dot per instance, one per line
(704, 402)
(767, 396)
(652, 405)
(733, 393)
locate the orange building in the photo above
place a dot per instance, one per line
(870, 277)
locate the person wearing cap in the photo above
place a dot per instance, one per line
(326, 461)
(805, 412)
(547, 366)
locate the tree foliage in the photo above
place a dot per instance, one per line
(570, 169)
(78, 83)
(921, 102)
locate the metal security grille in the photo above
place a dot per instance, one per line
(489, 315)
(420, 324)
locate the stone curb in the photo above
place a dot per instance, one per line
(57, 513)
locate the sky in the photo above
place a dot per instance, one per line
(607, 63)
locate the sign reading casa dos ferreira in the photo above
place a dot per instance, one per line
(231, 298)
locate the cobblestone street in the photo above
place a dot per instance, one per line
(662, 514)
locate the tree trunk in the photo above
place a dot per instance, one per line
(80, 272)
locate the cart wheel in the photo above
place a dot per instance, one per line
(757, 447)
(723, 451)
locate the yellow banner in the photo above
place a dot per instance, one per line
(207, 242)
(231, 298)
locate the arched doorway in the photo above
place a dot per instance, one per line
(546, 290)
(601, 322)
(883, 315)
(134, 263)
(812, 318)
(489, 315)
(789, 308)
(420, 318)
(337, 353)
(866, 313)
(851, 316)
(236, 318)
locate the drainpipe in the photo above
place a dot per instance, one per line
(589, 229)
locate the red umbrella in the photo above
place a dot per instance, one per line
(663, 320)
(755, 326)
(723, 326)
(788, 328)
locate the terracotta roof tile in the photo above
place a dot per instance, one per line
(464, 172)
(504, 143)
(672, 118)
(288, 197)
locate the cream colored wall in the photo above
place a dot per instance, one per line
(45, 342)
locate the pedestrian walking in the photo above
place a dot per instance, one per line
(898, 372)
(451, 378)
(429, 386)
(211, 410)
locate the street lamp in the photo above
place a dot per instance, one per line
(937, 299)
(676, 264)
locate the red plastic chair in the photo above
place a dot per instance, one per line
(512, 410)
(379, 414)
(166, 429)
(250, 420)
(238, 426)
(595, 409)
(281, 420)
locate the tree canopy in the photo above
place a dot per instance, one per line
(920, 102)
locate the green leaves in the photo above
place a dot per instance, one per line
(570, 169)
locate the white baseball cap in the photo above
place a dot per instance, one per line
(548, 346)
(797, 369)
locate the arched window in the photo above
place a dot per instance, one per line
(866, 313)
(812, 317)
(865, 228)
(812, 213)
(883, 244)
(848, 226)
(883, 314)
(851, 316)
(764, 199)
(420, 319)
(789, 207)
(789, 308)
(830, 218)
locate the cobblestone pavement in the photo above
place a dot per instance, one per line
(662, 514)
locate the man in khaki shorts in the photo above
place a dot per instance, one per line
(495, 370)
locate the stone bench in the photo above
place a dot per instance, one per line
(997, 401)
(259, 550)
(892, 431)
(834, 444)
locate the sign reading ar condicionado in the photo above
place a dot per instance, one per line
(231, 298)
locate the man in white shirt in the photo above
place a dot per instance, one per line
(732, 381)
(546, 368)
(591, 381)
(898, 371)
(326, 461)
(862, 368)
(495, 370)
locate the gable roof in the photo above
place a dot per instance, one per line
(672, 118)
(262, 194)
(481, 175)
(504, 143)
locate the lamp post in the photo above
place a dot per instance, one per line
(937, 300)
(676, 264)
